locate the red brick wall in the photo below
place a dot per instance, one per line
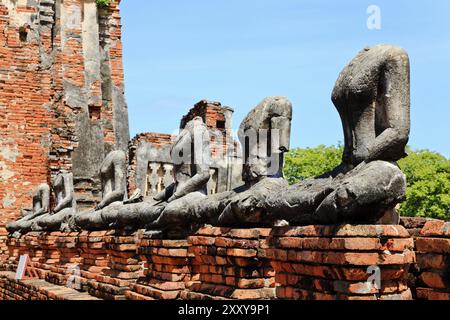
(213, 114)
(433, 261)
(313, 262)
(25, 116)
(40, 128)
(340, 262)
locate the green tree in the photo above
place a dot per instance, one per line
(312, 162)
(428, 193)
(428, 176)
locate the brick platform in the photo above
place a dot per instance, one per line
(102, 263)
(230, 264)
(62, 258)
(314, 262)
(11, 289)
(124, 267)
(331, 263)
(167, 270)
(433, 261)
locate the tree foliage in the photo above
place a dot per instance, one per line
(428, 193)
(428, 176)
(312, 162)
(104, 3)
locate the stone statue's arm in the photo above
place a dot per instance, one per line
(66, 202)
(38, 213)
(395, 82)
(165, 194)
(26, 212)
(193, 184)
(45, 198)
(44, 194)
(117, 194)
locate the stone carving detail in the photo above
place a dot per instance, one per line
(41, 206)
(191, 158)
(372, 96)
(213, 183)
(159, 177)
(149, 159)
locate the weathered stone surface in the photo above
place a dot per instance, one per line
(436, 228)
(66, 206)
(265, 137)
(176, 207)
(113, 178)
(372, 98)
(41, 206)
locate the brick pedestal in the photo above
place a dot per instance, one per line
(230, 264)
(166, 270)
(62, 266)
(336, 263)
(124, 267)
(433, 261)
(16, 248)
(45, 254)
(94, 258)
(304, 263)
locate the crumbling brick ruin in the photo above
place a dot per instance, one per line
(150, 168)
(62, 108)
(62, 104)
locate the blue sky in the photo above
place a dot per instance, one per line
(240, 51)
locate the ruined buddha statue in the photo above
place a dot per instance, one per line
(58, 219)
(41, 206)
(190, 154)
(265, 137)
(372, 96)
(191, 157)
(113, 179)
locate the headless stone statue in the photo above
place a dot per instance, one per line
(113, 178)
(372, 96)
(264, 135)
(172, 210)
(191, 157)
(58, 220)
(114, 181)
(41, 206)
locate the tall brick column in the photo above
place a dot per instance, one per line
(62, 102)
